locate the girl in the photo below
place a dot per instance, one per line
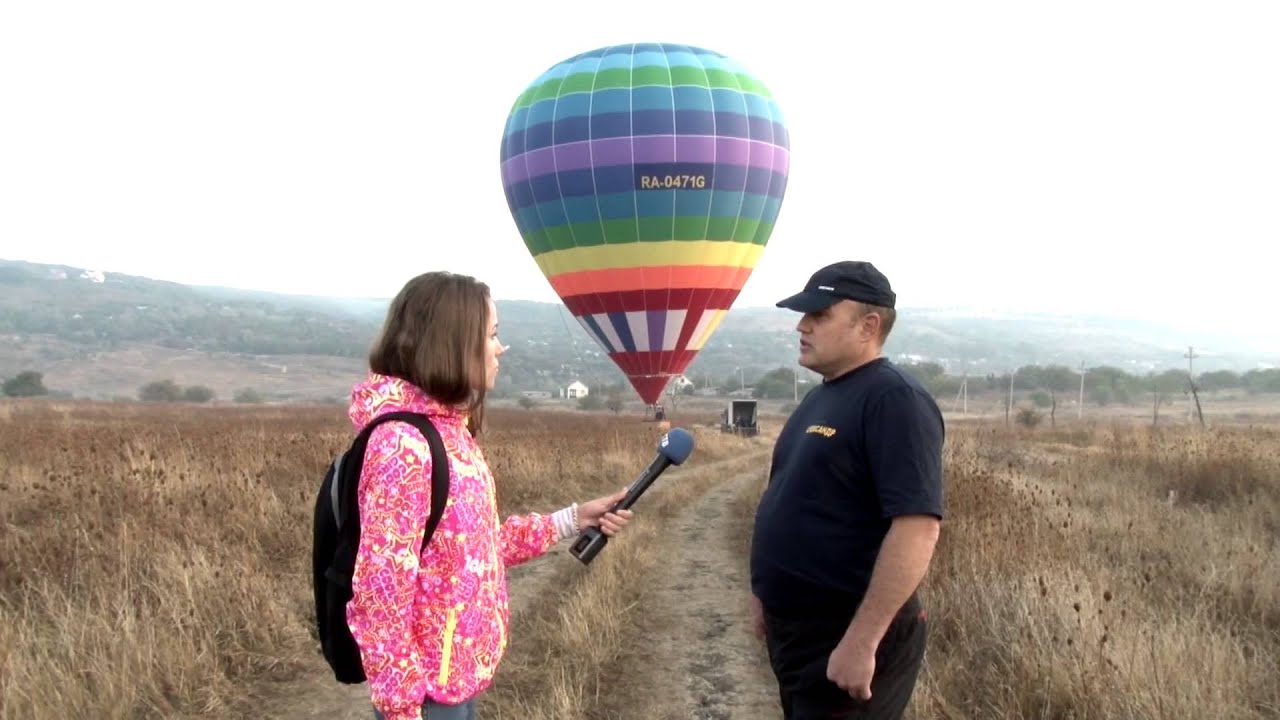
(432, 627)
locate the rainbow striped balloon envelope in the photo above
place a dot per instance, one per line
(646, 180)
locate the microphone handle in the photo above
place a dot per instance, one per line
(591, 541)
(642, 483)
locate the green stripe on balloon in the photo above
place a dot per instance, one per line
(586, 234)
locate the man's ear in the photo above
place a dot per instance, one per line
(873, 323)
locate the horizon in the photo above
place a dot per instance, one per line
(978, 155)
(1203, 349)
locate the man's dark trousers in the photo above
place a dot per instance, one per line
(799, 648)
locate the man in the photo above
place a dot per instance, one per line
(847, 526)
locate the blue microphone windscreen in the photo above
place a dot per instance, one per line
(676, 445)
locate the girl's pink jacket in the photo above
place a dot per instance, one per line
(433, 625)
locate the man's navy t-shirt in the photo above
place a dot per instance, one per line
(859, 450)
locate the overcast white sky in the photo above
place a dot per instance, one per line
(1121, 157)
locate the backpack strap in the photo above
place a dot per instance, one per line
(439, 469)
(439, 474)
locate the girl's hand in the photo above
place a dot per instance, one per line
(595, 513)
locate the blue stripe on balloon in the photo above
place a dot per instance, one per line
(757, 106)
(726, 204)
(654, 97)
(668, 48)
(729, 124)
(616, 206)
(541, 113)
(654, 203)
(652, 56)
(695, 122)
(622, 179)
(600, 335)
(616, 61)
(521, 194)
(613, 100)
(752, 206)
(609, 125)
(722, 124)
(683, 58)
(582, 209)
(572, 129)
(651, 97)
(623, 328)
(691, 110)
(653, 122)
(759, 128)
(624, 205)
(691, 98)
(693, 202)
(582, 65)
(576, 105)
(731, 101)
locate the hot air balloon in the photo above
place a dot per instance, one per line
(645, 180)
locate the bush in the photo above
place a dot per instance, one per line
(160, 391)
(25, 384)
(197, 394)
(247, 396)
(1029, 417)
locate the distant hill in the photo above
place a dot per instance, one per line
(103, 334)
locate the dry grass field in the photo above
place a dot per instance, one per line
(154, 563)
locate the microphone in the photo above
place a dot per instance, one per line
(673, 449)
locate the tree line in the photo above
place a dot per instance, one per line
(1103, 385)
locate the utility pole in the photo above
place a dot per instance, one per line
(1080, 402)
(1190, 355)
(962, 395)
(1008, 407)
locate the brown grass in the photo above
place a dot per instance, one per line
(153, 563)
(154, 560)
(1068, 585)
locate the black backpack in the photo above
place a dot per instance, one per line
(336, 538)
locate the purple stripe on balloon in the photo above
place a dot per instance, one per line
(657, 329)
(648, 149)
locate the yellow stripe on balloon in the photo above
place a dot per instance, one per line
(640, 254)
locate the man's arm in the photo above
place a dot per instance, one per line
(901, 565)
(904, 436)
(904, 444)
(902, 562)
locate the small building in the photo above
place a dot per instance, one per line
(576, 390)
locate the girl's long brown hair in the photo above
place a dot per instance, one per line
(434, 337)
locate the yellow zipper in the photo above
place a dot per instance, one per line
(450, 625)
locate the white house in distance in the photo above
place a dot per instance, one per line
(576, 390)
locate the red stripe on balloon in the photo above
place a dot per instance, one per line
(640, 300)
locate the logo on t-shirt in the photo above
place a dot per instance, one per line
(822, 430)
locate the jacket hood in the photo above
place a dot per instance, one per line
(381, 394)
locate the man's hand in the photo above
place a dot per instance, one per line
(902, 562)
(757, 617)
(851, 666)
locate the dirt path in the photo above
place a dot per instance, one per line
(708, 664)
(710, 667)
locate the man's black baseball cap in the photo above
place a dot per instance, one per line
(847, 280)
